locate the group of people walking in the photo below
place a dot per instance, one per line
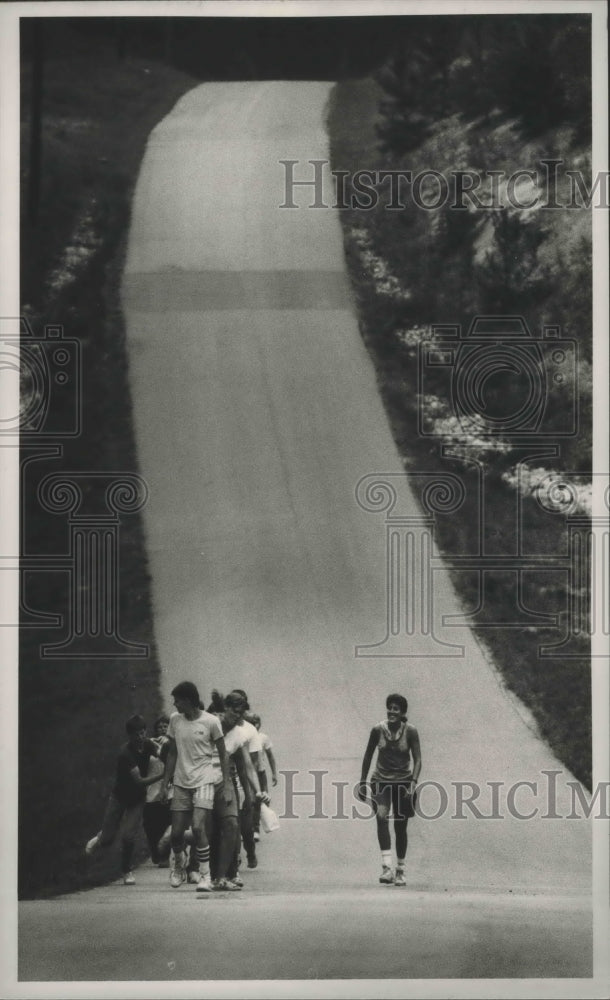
(200, 782)
(197, 785)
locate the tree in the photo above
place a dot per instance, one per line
(417, 83)
(510, 272)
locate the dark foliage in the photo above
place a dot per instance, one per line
(511, 272)
(97, 115)
(532, 68)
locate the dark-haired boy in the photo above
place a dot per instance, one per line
(126, 801)
(228, 815)
(194, 736)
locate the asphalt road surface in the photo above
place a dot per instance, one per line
(257, 414)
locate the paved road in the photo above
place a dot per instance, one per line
(257, 414)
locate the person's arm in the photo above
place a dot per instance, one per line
(255, 755)
(366, 762)
(242, 759)
(133, 766)
(154, 746)
(137, 778)
(272, 765)
(170, 767)
(224, 767)
(249, 777)
(415, 752)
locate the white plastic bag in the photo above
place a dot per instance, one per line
(269, 820)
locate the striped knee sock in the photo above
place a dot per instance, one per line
(203, 857)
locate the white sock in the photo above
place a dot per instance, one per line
(203, 857)
(386, 859)
(400, 864)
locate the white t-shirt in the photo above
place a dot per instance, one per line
(252, 736)
(195, 743)
(234, 739)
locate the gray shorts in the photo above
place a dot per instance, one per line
(187, 799)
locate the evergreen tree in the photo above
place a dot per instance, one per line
(417, 83)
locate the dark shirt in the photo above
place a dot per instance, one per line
(394, 756)
(125, 788)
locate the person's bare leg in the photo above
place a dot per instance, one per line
(180, 822)
(228, 847)
(202, 832)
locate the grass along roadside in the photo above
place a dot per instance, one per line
(411, 270)
(97, 114)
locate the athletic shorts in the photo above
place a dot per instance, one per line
(396, 794)
(187, 799)
(222, 809)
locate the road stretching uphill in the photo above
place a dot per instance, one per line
(257, 415)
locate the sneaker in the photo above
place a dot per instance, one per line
(91, 845)
(226, 885)
(205, 884)
(399, 878)
(177, 876)
(128, 879)
(387, 876)
(194, 878)
(238, 881)
(252, 861)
